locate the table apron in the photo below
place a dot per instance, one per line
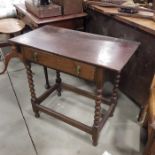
(60, 63)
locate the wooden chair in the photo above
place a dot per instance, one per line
(150, 122)
(13, 27)
(10, 27)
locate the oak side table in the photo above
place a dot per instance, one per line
(82, 55)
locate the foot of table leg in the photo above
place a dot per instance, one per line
(47, 85)
(95, 136)
(32, 89)
(58, 81)
(37, 115)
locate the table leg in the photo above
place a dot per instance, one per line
(32, 89)
(58, 81)
(47, 85)
(97, 116)
(114, 92)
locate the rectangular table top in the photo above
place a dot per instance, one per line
(93, 49)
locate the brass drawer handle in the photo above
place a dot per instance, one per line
(35, 56)
(78, 69)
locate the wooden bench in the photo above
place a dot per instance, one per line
(150, 121)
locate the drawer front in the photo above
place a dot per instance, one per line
(60, 63)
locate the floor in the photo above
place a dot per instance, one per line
(23, 134)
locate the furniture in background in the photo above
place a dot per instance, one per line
(141, 68)
(10, 27)
(73, 21)
(149, 122)
(82, 55)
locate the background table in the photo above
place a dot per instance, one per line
(74, 21)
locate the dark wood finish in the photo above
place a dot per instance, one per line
(99, 80)
(47, 85)
(150, 120)
(85, 93)
(59, 62)
(146, 25)
(114, 91)
(140, 69)
(58, 81)
(65, 119)
(32, 89)
(47, 93)
(74, 46)
(90, 54)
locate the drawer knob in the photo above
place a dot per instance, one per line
(78, 69)
(35, 56)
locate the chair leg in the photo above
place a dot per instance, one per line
(8, 57)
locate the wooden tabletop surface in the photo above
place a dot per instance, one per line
(146, 25)
(98, 50)
(11, 25)
(22, 8)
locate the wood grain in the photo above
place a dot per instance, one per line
(11, 25)
(146, 25)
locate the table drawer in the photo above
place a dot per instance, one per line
(60, 63)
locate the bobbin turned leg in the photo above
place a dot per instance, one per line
(32, 89)
(58, 81)
(115, 92)
(47, 85)
(97, 116)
